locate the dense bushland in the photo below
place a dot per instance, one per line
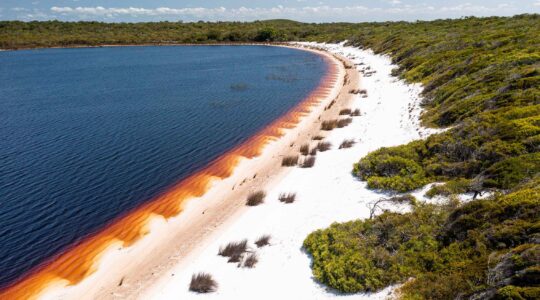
(482, 79)
(16, 34)
(484, 249)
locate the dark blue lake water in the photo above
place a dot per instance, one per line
(87, 134)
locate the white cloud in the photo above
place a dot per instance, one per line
(307, 13)
(537, 3)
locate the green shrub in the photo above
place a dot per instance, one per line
(451, 251)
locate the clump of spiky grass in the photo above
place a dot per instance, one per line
(304, 149)
(263, 240)
(343, 122)
(317, 138)
(347, 144)
(289, 161)
(251, 261)
(346, 111)
(355, 113)
(255, 198)
(202, 283)
(308, 162)
(233, 249)
(287, 197)
(323, 146)
(329, 125)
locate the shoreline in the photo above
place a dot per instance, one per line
(238, 171)
(325, 193)
(284, 44)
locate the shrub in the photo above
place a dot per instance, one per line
(251, 261)
(347, 144)
(287, 197)
(256, 198)
(323, 146)
(317, 138)
(202, 283)
(451, 250)
(346, 111)
(304, 149)
(233, 249)
(289, 161)
(344, 122)
(329, 125)
(313, 151)
(395, 168)
(264, 240)
(308, 162)
(458, 186)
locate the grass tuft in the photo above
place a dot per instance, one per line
(304, 149)
(346, 111)
(343, 122)
(287, 197)
(355, 113)
(256, 198)
(251, 261)
(323, 146)
(233, 249)
(308, 162)
(202, 283)
(347, 144)
(263, 240)
(289, 161)
(329, 125)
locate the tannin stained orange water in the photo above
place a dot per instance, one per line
(79, 260)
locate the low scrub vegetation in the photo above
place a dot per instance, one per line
(289, 161)
(318, 138)
(287, 197)
(255, 198)
(202, 283)
(482, 249)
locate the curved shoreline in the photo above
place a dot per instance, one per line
(285, 44)
(81, 260)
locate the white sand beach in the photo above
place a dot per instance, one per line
(325, 194)
(160, 265)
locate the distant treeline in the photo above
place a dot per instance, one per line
(16, 34)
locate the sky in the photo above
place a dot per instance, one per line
(249, 10)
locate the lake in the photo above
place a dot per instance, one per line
(90, 133)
